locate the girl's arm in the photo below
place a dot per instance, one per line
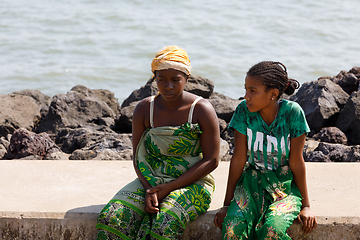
(236, 168)
(210, 145)
(297, 166)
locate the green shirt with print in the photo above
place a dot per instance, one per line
(268, 146)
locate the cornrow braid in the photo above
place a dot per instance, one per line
(274, 75)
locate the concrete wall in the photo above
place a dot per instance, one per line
(61, 199)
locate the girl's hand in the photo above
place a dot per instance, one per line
(307, 219)
(219, 217)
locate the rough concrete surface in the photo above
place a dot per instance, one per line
(61, 199)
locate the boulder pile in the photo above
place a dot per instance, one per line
(86, 124)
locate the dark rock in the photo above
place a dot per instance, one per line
(339, 152)
(72, 139)
(3, 151)
(355, 70)
(107, 154)
(149, 89)
(123, 122)
(86, 144)
(106, 121)
(331, 135)
(223, 125)
(24, 143)
(224, 106)
(353, 155)
(227, 135)
(41, 99)
(21, 110)
(349, 83)
(321, 101)
(309, 147)
(109, 147)
(224, 151)
(57, 156)
(4, 145)
(349, 119)
(317, 156)
(335, 152)
(80, 107)
(4, 142)
(31, 157)
(336, 78)
(197, 85)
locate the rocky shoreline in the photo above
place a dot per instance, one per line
(90, 124)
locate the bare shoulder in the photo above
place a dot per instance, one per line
(141, 112)
(204, 112)
(203, 106)
(143, 105)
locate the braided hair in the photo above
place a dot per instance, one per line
(274, 75)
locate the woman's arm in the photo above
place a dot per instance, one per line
(297, 166)
(138, 128)
(236, 168)
(205, 115)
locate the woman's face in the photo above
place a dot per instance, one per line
(171, 83)
(257, 96)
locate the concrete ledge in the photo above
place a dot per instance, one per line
(62, 199)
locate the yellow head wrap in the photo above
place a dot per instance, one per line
(171, 57)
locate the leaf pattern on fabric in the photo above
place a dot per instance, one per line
(140, 192)
(188, 133)
(146, 173)
(199, 197)
(171, 229)
(101, 235)
(104, 211)
(179, 196)
(172, 171)
(181, 147)
(156, 159)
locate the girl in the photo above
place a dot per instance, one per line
(266, 187)
(176, 144)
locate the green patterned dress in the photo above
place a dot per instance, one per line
(266, 200)
(163, 154)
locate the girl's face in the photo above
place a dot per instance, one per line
(171, 83)
(257, 96)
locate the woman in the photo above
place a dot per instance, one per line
(176, 145)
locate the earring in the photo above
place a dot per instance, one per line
(272, 98)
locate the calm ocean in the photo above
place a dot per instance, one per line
(53, 45)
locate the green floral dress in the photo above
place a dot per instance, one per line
(266, 200)
(163, 154)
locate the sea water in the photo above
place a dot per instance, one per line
(53, 45)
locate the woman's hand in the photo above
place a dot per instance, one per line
(154, 196)
(307, 219)
(219, 217)
(151, 202)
